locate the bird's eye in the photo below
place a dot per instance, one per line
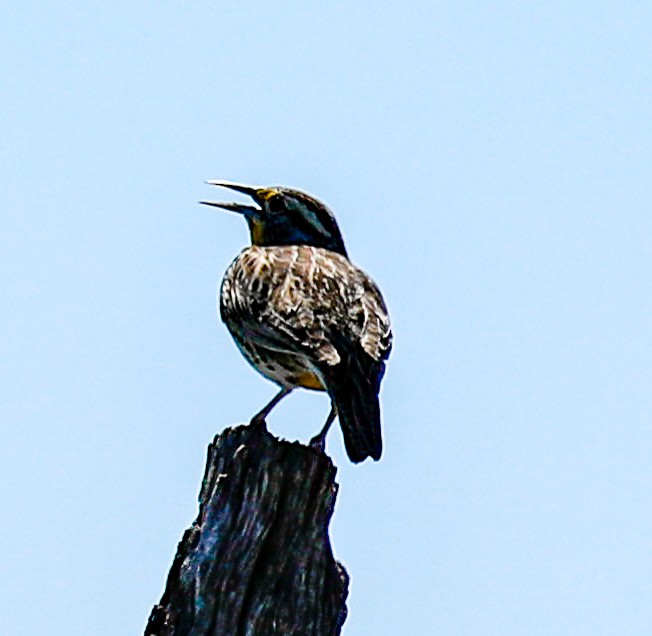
(276, 204)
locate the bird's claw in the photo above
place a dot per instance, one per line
(258, 421)
(318, 442)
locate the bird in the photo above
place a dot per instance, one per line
(303, 315)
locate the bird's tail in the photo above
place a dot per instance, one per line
(358, 409)
(353, 386)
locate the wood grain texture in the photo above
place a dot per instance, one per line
(257, 560)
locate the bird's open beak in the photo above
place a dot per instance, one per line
(247, 210)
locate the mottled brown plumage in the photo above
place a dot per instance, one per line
(305, 316)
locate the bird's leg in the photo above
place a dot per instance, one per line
(259, 418)
(319, 440)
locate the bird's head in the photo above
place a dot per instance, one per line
(283, 216)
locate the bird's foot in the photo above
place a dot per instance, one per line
(258, 422)
(318, 442)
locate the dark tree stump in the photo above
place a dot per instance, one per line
(257, 560)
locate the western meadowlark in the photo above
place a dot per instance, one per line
(304, 316)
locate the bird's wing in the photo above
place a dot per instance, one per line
(328, 305)
(308, 299)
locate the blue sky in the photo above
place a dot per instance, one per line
(489, 165)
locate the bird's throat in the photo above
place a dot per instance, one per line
(257, 229)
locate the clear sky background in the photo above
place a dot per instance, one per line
(489, 164)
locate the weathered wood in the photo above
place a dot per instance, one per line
(257, 560)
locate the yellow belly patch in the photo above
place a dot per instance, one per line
(309, 381)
